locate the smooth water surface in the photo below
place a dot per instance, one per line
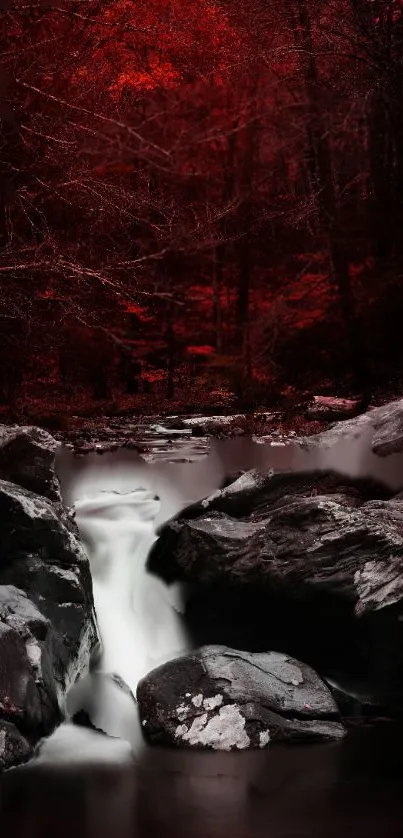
(349, 790)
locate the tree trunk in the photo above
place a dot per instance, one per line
(381, 163)
(352, 325)
(129, 371)
(242, 305)
(320, 166)
(217, 308)
(170, 344)
(395, 213)
(100, 383)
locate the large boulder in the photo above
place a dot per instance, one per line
(309, 559)
(382, 426)
(27, 687)
(27, 458)
(47, 624)
(226, 700)
(329, 408)
(292, 530)
(14, 748)
(42, 555)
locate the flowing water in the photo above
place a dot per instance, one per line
(139, 616)
(87, 784)
(137, 619)
(351, 789)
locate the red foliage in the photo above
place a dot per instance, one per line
(156, 44)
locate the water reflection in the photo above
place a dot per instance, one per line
(352, 789)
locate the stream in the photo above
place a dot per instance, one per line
(350, 789)
(87, 784)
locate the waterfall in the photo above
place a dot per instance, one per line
(138, 615)
(138, 623)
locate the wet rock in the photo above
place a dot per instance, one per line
(331, 408)
(298, 531)
(303, 562)
(382, 426)
(387, 422)
(14, 749)
(27, 688)
(47, 627)
(357, 700)
(224, 699)
(174, 423)
(32, 522)
(42, 555)
(27, 458)
(65, 599)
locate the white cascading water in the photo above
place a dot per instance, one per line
(138, 615)
(137, 618)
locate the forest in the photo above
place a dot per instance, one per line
(201, 203)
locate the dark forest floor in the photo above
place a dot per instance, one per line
(287, 414)
(132, 430)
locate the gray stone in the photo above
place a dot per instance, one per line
(308, 563)
(331, 408)
(383, 425)
(306, 532)
(47, 625)
(64, 598)
(14, 748)
(27, 689)
(225, 699)
(27, 457)
(41, 554)
(387, 422)
(31, 522)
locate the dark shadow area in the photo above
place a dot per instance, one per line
(352, 788)
(318, 629)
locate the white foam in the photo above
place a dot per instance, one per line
(71, 745)
(139, 624)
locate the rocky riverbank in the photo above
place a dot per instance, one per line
(47, 629)
(288, 558)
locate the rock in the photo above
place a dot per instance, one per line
(331, 407)
(27, 689)
(387, 422)
(357, 700)
(382, 425)
(14, 749)
(302, 562)
(174, 423)
(27, 458)
(64, 597)
(32, 522)
(47, 627)
(42, 555)
(295, 530)
(224, 699)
